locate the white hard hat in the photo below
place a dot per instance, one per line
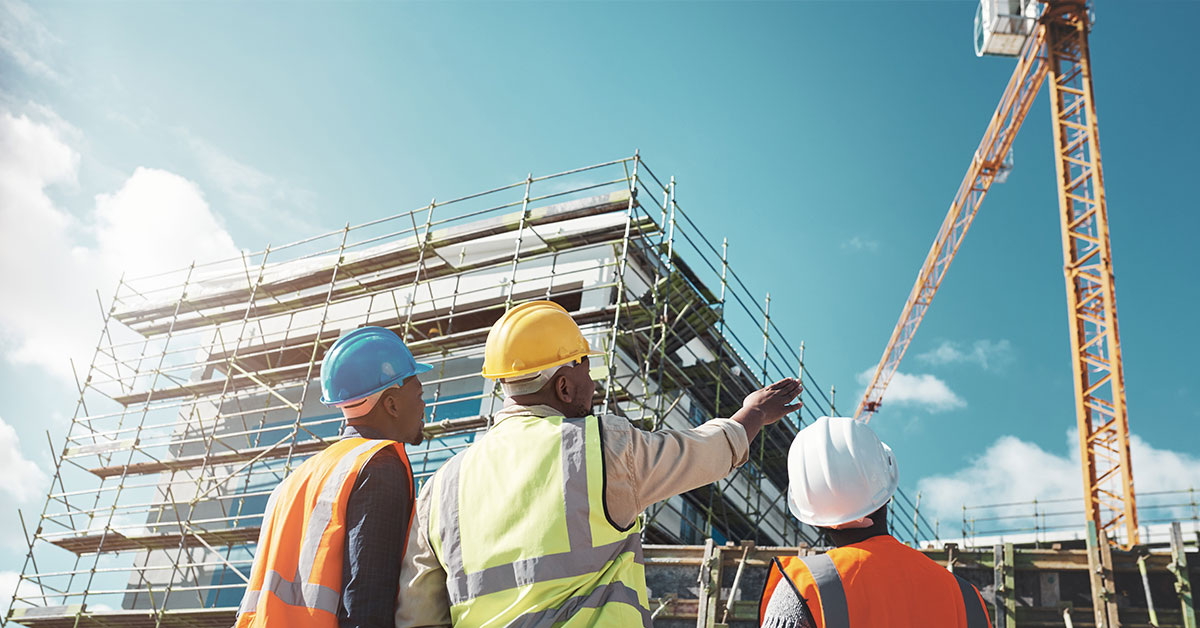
(839, 471)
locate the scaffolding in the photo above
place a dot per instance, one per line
(202, 393)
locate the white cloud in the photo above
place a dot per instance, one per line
(8, 583)
(1009, 470)
(923, 390)
(21, 480)
(1012, 470)
(861, 243)
(987, 354)
(156, 221)
(22, 484)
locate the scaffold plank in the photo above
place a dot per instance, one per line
(114, 541)
(212, 459)
(394, 256)
(79, 617)
(270, 452)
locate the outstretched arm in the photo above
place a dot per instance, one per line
(642, 468)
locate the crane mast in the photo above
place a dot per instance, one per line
(1058, 48)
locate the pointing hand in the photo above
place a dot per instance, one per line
(767, 405)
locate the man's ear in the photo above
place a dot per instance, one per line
(390, 404)
(562, 389)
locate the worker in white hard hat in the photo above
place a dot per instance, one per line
(536, 524)
(841, 478)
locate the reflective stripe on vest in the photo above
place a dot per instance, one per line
(829, 587)
(574, 573)
(976, 617)
(294, 592)
(312, 593)
(616, 592)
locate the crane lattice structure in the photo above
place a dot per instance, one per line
(1055, 44)
(202, 393)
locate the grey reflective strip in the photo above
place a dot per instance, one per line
(464, 587)
(829, 587)
(611, 593)
(575, 484)
(581, 560)
(250, 599)
(976, 617)
(448, 519)
(249, 602)
(293, 593)
(322, 513)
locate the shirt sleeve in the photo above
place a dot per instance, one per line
(787, 609)
(642, 467)
(376, 517)
(423, 600)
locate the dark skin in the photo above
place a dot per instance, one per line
(876, 526)
(399, 415)
(571, 391)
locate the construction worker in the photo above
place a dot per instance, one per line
(841, 479)
(335, 530)
(536, 523)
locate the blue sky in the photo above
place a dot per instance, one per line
(825, 140)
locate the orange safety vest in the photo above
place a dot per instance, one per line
(297, 575)
(881, 583)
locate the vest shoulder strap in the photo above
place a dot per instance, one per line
(976, 614)
(829, 587)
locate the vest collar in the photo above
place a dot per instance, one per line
(876, 541)
(361, 431)
(539, 411)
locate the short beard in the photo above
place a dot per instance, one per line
(579, 410)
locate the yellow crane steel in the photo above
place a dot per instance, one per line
(1056, 45)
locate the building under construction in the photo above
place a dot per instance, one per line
(203, 391)
(203, 395)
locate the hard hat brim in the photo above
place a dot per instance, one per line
(518, 373)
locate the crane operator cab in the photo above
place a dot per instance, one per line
(1003, 26)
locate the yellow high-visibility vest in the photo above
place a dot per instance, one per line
(518, 521)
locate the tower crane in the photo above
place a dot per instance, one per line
(1050, 38)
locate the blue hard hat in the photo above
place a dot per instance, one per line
(363, 362)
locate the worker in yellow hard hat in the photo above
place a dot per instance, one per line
(537, 522)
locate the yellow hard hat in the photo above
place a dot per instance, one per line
(530, 337)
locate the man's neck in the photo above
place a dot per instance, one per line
(528, 401)
(363, 431)
(842, 538)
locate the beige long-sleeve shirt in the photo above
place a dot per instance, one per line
(641, 468)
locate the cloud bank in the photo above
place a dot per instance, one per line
(156, 221)
(1012, 470)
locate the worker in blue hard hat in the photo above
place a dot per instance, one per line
(334, 531)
